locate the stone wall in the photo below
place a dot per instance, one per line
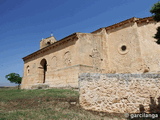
(120, 93)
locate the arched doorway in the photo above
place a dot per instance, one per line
(43, 64)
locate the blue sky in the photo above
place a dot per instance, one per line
(23, 23)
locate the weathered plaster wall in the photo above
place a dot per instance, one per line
(59, 62)
(119, 93)
(127, 60)
(66, 61)
(149, 48)
(92, 50)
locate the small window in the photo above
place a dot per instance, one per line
(123, 48)
(48, 43)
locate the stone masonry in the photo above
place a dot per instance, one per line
(120, 93)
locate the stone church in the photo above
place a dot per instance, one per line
(125, 47)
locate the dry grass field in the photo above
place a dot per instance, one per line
(49, 104)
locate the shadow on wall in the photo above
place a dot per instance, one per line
(154, 111)
(154, 108)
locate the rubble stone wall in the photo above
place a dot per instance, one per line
(119, 93)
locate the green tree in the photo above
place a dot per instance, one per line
(156, 16)
(14, 78)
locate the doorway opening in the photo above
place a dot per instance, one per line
(44, 67)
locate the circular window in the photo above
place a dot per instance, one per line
(123, 49)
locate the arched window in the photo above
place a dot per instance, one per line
(67, 58)
(54, 62)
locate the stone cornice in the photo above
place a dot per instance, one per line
(117, 24)
(145, 20)
(60, 42)
(131, 20)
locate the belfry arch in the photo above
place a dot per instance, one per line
(43, 70)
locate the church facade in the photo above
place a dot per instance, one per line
(125, 47)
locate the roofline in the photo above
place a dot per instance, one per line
(131, 20)
(117, 24)
(66, 39)
(146, 19)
